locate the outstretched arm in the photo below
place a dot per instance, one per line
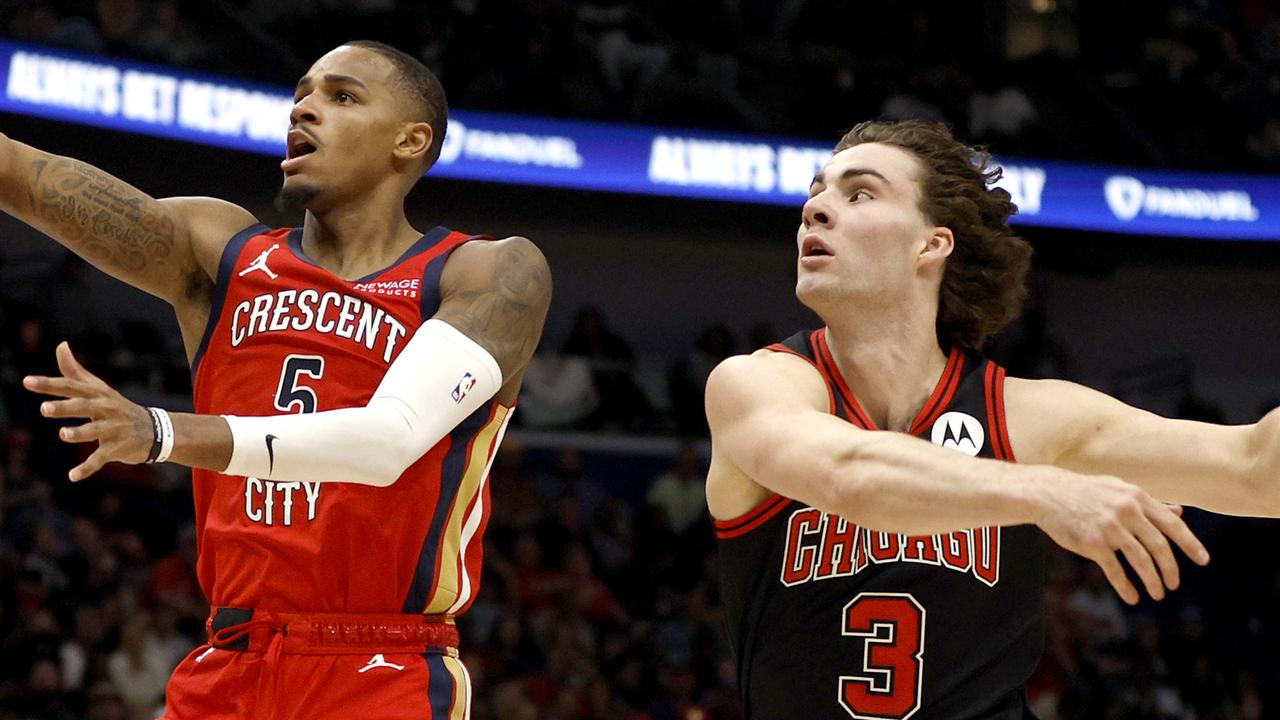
(1227, 469)
(771, 432)
(164, 247)
(441, 377)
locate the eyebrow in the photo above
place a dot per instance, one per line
(332, 79)
(850, 173)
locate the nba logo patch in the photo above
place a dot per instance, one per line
(463, 387)
(959, 431)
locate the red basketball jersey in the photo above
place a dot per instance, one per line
(287, 336)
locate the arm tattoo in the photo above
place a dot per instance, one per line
(113, 225)
(504, 313)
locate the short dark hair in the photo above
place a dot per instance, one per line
(985, 279)
(425, 91)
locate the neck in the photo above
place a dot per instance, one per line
(357, 239)
(891, 360)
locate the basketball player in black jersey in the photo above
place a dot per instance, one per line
(895, 575)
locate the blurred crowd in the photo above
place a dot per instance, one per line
(1189, 83)
(599, 595)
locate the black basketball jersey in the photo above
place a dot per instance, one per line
(829, 621)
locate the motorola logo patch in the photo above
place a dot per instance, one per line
(959, 431)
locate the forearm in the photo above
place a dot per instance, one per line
(201, 441)
(440, 379)
(112, 225)
(1263, 465)
(366, 445)
(898, 483)
(888, 481)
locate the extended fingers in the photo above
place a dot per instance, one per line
(1175, 528)
(59, 386)
(91, 465)
(1141, 562)
(1155, 543)
(88, 432)
(1114, 571)
(68, 365)
(75, 407)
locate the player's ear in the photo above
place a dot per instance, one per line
(413, 143)
(938, 246)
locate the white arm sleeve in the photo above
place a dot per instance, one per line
(440, 378)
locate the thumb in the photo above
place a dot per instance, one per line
(68, 365)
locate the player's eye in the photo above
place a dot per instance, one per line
(860, 195)
(343, 96)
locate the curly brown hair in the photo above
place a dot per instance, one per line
(984, 282)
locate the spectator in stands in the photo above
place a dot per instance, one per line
(139, 668)
(680, 492)
(622, 403)
(688, 377)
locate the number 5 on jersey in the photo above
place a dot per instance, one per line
(289, 393)
(893, 661)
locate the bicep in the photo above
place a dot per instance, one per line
(772, 424)
(497, 294)
(208, 224)
(1086, 431)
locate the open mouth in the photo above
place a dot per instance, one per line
(299, 145)
(814, 247)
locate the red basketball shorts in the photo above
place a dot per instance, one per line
(321, 667)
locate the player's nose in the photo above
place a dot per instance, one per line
(816, 211)
(303, 111)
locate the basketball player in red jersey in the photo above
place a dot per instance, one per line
(353, 378)
(898, 574)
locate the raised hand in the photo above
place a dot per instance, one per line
(122, 429)
(1100, 517)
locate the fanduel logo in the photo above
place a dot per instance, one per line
(1128, 197)
(516, 148)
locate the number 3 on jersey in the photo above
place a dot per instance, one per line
(290, 394)
(892, 664)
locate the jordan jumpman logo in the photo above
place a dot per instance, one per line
(261, 263)
(379, 661)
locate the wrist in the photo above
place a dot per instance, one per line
(1033, 493)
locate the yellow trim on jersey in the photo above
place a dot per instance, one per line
(449, 583)
(461, 709)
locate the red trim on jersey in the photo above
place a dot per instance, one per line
(831, 398)
(987, 376)
(993, 382)
(1002, 421)
(751, 519)
(823, 352)
(943, 393)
